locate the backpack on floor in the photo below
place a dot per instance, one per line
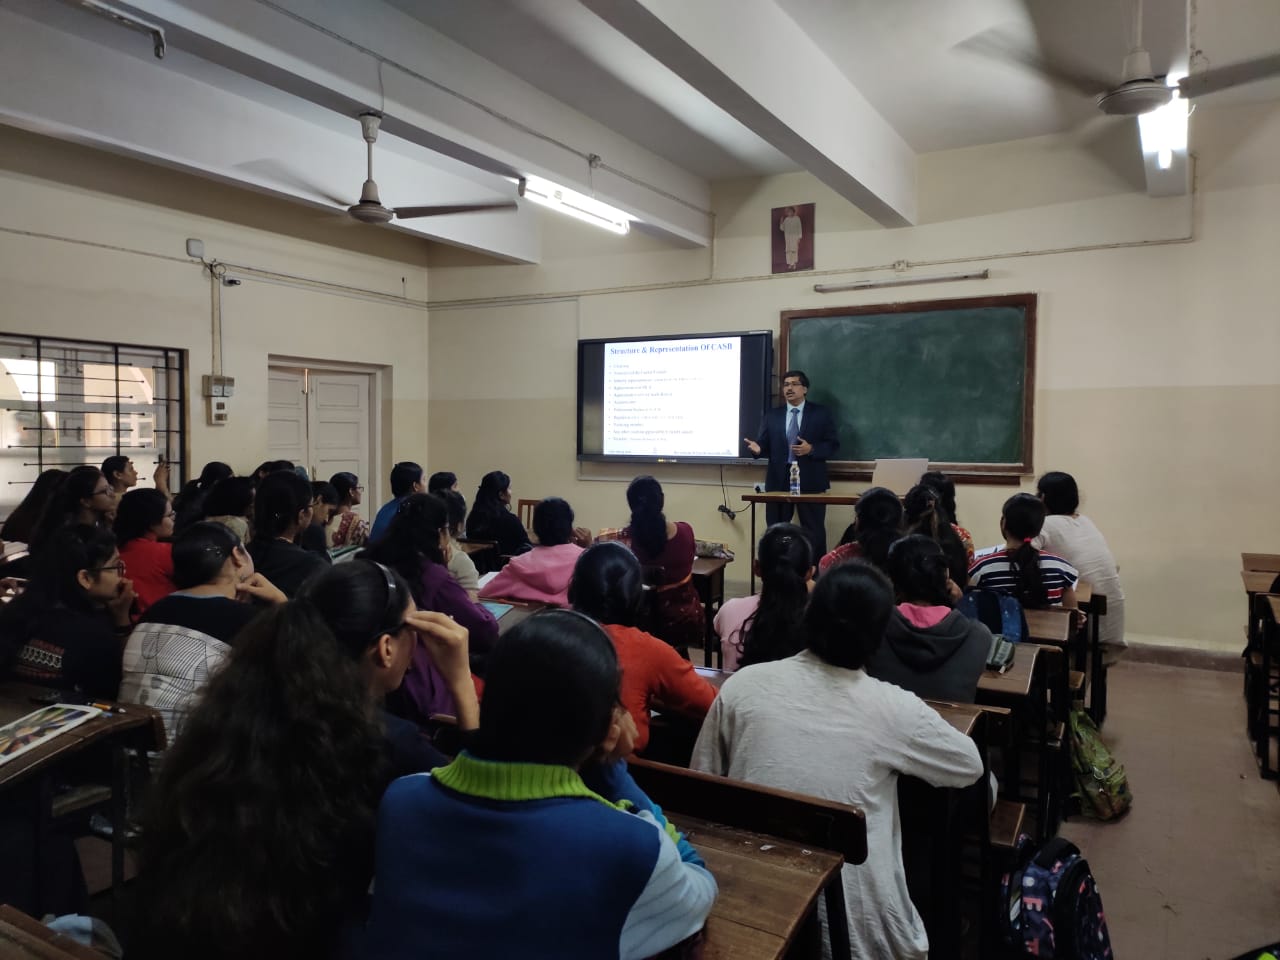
(1101, 785)
(998, 612)
(1050, 906)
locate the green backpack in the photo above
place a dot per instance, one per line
(1101, 785)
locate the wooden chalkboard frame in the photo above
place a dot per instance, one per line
(972, 472)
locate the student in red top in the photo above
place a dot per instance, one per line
(144, 518)
(607, 586)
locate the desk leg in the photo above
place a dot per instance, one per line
(119, 821)
(751, 548)
(837, 918)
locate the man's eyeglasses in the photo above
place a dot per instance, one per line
(118, 567)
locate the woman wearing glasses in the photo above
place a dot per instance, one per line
(144, 525)
(269, 795)
(348, 529)
(67, 629)
(84, 497)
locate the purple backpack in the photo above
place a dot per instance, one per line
(1051, 906)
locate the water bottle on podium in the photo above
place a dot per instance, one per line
(794, 487)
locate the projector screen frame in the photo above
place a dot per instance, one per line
(767, 396)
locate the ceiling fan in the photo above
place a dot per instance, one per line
(1139, 90)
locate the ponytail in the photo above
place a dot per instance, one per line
(772, 631)
(1023, 519)
(648, 522)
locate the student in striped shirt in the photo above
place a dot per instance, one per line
(1037, 579)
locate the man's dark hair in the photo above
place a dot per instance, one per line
(403, 476)
(799, 375)
(442, 480)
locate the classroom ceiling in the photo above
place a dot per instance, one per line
(666, 95)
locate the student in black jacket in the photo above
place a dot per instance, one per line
(929, 648)
(281, 509)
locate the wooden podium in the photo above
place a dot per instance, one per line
(826, 499)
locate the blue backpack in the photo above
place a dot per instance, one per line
(999, 612)
(1050, 904)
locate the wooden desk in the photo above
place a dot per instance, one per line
(475, 546)
(1049, 626)
(1266, 562)
(519, 612)
(825, 499)
(1013, 687)
(768, 888)
(22, 938)
(708, 580)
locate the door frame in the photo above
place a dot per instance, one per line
(377, 381)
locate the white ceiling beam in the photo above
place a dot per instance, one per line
(70, 87)
(436, 93)
(753, 61)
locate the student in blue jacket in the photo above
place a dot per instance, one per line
(536, 843)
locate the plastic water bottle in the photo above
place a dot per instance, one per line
(795, 478)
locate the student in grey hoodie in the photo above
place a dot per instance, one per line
(929, 648)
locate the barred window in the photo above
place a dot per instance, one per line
(64, 403)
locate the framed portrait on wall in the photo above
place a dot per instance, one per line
(791, 237)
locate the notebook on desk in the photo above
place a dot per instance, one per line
(899, 475)
(497, 609)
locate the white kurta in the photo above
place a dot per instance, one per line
(1078, 541)
(801, 724)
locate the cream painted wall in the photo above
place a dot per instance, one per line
(1157, 380)
(92, 246)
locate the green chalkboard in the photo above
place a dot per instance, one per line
(950, 380)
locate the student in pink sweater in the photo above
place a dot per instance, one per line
(542, 575)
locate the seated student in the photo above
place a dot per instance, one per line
(67, 629)
(20, 525)
(924, 513)
(1037, 579)
(189, 503)
(461, 567)
(607, 586)
(144, 524)
(406, 479)
(765, 627)
(123, 476)
(946, 488)
(1075, 538)
(84, 498)
(268, 467)
(414, 546)
(324, 500)
(542, 575)
(764, 728)
(441, 481)
(521, 847)
(877, 522)
(349, 529)
(282, 508)
(270, 793)
(230, 503)
(491, 517)
(929, 648)
(666, 549)
(182, 640)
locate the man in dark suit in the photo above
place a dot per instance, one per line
(805, 433)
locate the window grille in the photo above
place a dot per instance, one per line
(64, 403)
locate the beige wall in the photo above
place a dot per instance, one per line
(92, 246)
(1158, 384)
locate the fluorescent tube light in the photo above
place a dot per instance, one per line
(578, 205)
(1164, 130)
(899, 281)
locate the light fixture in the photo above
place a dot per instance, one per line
(1164, 130)
(899, 281)
(579, 205)
(126, 19)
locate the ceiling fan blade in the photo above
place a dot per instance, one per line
(276, 171)
(1001, 46)
(1232, 75)
(405, 213)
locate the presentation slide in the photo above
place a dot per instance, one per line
(674, 398)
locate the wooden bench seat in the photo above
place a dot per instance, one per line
(1007, 821)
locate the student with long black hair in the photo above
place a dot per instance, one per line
(946, 488)
(491, 517)
(230, 503)
(817, 724)
(67, 629)
(143, 527)
(521, 847)
(189, 503)
(665, 548)
(765, 627)
(84, 498)
(924, 512)
(349, 528)
(281, 509)
(257, 839)
(929, 648)
(1037, 579)
(607, 586)
(877, 522)
(461, 567)
(20, 525)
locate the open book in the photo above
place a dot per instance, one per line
(27, 733)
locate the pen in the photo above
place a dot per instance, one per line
(106, 707)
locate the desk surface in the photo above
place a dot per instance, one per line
(767, 888)
(780, 497)
(1014, 683)
(22, 938)
(708, 566)
(962, 716)
(1257, 581)
(519, 612)
(1049, 626)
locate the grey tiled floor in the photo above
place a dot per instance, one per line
(1193, 871)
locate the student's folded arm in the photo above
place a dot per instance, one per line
(939, 754)
(673, 906)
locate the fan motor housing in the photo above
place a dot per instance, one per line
(370, 213)
(1135, 97)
